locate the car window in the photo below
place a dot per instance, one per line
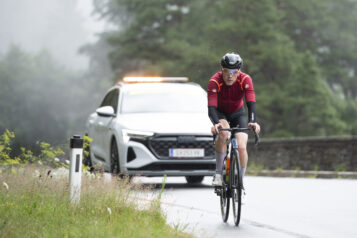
(111, 99)
(175, 99)
(114, 100)
(107, 99)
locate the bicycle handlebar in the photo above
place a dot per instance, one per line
(237, 129)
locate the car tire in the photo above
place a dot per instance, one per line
(114, 158)
(194, 179)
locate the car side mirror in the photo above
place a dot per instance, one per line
(106, 111)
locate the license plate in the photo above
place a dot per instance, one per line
(186, 153)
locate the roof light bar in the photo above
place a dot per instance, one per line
(154, 79)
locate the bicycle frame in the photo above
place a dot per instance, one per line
(234, 144)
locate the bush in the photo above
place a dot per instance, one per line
(47, 156)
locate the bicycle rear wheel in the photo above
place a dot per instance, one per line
(224, 198)
(236, 187)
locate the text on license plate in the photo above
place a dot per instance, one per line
(187, 153)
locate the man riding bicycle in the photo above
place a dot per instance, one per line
(226, 90)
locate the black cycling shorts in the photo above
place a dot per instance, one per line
(236, 119)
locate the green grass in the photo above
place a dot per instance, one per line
(340, 168)
(34, 206)
(255, 167)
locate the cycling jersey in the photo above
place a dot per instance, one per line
(229, 99)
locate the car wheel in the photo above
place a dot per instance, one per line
(114, 158)
(194, 179)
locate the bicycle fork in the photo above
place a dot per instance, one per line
(235, 147)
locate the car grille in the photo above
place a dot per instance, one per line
(161, 144)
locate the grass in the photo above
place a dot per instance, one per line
(340, 168)
(35, 203)
(254, 169)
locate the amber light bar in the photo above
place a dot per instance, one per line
(154, 79)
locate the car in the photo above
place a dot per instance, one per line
(153, 126)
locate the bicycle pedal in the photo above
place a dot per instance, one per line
(218, 191)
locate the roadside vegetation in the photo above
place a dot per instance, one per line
(48, 155)
(34, 200)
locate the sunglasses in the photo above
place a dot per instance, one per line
(230, 71)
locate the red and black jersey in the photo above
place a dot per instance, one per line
(229, 99)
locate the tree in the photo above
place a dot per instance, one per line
(329, 31)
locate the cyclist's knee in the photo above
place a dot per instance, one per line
(242, 148)
(224, 123)
(223, 135)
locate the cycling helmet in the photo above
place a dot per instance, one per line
(231, 61)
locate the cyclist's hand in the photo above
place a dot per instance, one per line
(214, 129)
(256, 125)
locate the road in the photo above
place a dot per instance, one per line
(276, 207)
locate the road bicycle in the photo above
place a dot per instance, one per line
(232, 184)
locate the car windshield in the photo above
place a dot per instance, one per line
(177, 98)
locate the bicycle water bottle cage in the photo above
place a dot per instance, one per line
(234, 143)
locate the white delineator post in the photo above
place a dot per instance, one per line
(75, 171)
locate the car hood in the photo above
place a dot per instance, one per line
(191, 123)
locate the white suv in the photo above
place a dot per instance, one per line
(151, 127)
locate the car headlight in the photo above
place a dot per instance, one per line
(127, 134)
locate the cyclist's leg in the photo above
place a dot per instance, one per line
(238, 119)
(221, 146)
(220, 150)
(242, 139)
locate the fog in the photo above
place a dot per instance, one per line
(59, 26)
(47, 87)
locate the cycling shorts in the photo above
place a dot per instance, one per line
(236, 119)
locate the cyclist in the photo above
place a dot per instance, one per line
(226, 90)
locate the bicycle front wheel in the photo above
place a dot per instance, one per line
(224, 200)
(236, 187)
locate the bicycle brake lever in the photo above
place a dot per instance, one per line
(215, 135)
(257, 139)
(214, 139)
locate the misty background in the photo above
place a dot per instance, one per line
(61, 27)
(48, 88)
(58, 58)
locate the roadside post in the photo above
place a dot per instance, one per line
(75, 168)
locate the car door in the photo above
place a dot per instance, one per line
(100, 125)
(108, 127)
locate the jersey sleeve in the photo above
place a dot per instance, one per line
(249, 90)
(212, 92)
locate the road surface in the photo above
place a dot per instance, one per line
(276, 207)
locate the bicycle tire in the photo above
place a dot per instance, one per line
(236, 187)
(224, 199)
